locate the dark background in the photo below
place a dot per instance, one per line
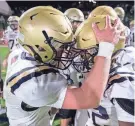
(18, 7)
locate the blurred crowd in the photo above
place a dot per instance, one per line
(84, 6)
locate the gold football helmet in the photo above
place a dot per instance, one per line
(120, 12)
(132, 23)
(87, 43)
(13, 22)
(103, 10)
(46, 33)
(75, 16)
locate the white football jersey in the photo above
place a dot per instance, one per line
(121, 85)
(121, 81)
(11, 37)
(31, 89)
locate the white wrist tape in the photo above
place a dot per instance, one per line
(105, 49)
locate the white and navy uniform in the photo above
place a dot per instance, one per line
(118, 96)
(31, 89)
(11, 37)
(121, 83)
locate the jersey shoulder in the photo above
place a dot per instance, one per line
(38, 83)
(123, 59)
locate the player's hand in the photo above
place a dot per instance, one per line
(110, 33)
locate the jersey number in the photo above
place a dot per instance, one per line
(11, 44)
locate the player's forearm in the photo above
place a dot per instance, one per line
(95, 83)
(91, 91)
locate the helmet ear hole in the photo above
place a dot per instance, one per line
(40, 48)
(37, 46)
(46, 57)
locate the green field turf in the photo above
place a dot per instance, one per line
(3, 53)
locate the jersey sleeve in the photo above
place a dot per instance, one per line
(39, 87)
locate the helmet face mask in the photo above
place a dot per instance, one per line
(63, 54)
(75, 25)
(13, 22)
(85, 61)
(13, 25)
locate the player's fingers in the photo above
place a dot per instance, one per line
(108, 22)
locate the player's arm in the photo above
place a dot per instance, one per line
(90, 93)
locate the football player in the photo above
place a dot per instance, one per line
(75, 16)
(12, 32)
(119, 91)
(10, 35)
(33, 83)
